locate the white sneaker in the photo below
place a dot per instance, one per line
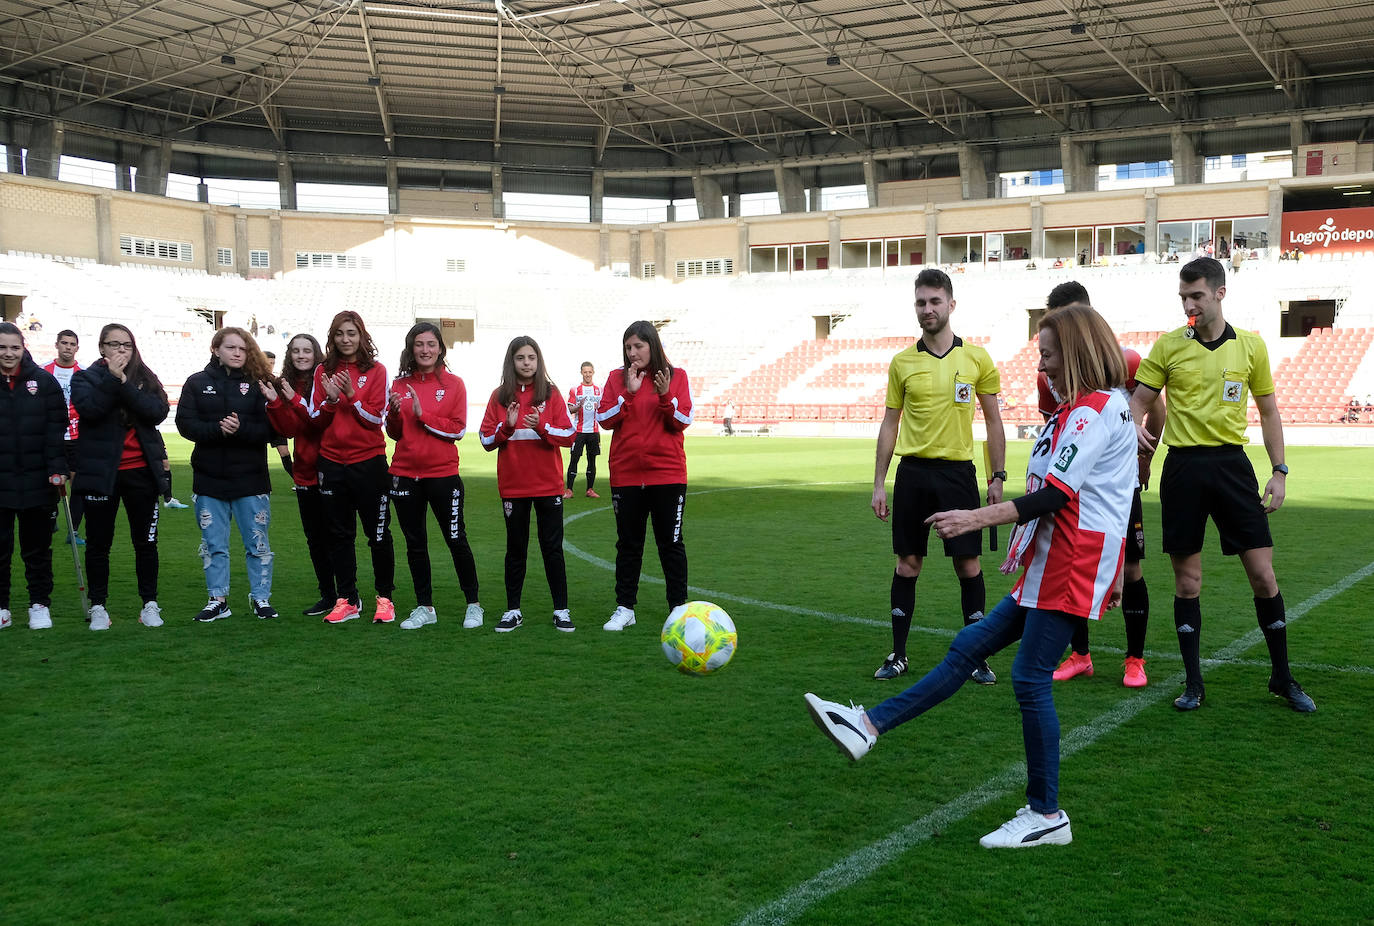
(422, 615)
(562, 620)
(100, 618)
(151, 615)
(622, 618)
(1029, 828)
(844, 725)
(40, 618)
(473, 616)
(5, 619)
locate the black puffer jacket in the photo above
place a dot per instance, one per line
(233, 465)
(108, 408)
(33, 417)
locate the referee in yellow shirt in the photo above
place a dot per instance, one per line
(931, 390)
(1210, 369)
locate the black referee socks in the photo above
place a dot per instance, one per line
(973, 597)
(903, 604)
(1188, 625)
(1274, 625)
(1135, 608)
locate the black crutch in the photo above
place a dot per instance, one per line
(76, 557)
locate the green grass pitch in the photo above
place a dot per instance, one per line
(288, 772)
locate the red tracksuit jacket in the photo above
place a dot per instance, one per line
(646, 449)
(427, 446)
(352, 429)
(293, 419)
(530, 463)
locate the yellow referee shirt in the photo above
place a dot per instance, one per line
(937, 396)
(1208, 384)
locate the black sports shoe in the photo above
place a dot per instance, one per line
(509, 621)
(319, 608)
(213, 611)
(263, 609)
(1292, 692)
(984, 675)
(891, 667)
(1192, 697)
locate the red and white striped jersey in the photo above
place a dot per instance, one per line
(63, 375)
(582, 404)
(1087, 451)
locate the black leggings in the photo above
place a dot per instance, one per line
(138, 490)
(358, 489)
(315, 523)
(634, 505)
(443, 495)
(548, 514)
(35, 548)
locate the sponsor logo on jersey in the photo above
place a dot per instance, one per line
(1066, 456)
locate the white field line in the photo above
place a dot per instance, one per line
(865, 861)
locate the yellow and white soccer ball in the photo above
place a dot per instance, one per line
(699, 638)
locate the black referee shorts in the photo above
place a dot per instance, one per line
(923, 487)
(1215, 482)
(1135, 533)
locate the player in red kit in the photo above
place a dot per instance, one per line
(583, 401)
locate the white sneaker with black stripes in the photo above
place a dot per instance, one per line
(1029, 828)
(509, 621)
(844, 725)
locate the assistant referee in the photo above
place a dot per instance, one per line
(1210, 368)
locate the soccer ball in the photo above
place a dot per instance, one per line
(699, 637)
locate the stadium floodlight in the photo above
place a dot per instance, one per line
(833, 61)
(228, 59)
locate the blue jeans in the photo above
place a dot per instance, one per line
(253, 513)
(1043, 636)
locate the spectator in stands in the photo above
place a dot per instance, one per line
(1237, 258)
(583, 401)
(1070, 539)
(526, 423)
(1209, 367)
(62, 367)
(121, 458)
(223, 412)
(291, 415)
(33, 418)
(1135, 596)
(932, 387)
(279, 441)
(1352, 412)
(647, 402)
(728, 419)
(349, 399)
(428, 411)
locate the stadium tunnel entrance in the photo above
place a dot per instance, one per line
(1300, 316)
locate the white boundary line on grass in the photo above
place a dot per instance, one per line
(865, 861)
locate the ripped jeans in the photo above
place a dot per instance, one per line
(254, 515)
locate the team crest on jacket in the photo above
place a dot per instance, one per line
(32, 386)
(439, 395)
(243, 389)
(362, 381)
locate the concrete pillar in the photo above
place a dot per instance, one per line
(276, 255)
(661, 267)
(393, 188)
(202, 192)
(498, 203)
(124, 178)
(1188, 164)
(153, 162)
(813, 199)
(636, 262)
(710, 199)
(742, 248)
(1299, 134)
(241, 243)
(1151, 226)
(791, 194)
(14, 157)
(598, 196)
(286, 183)
(875, 173)
(973, 174)
(208, 230)
(836, 251)
(734, 205)
(670, 212)
(45, 149)
(1037, 216)
(603, 249)
(932, 234)
(1080, 171)
(1275, 224)
(104, 230)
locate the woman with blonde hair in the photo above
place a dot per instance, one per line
(1070, 541)
(223, 411)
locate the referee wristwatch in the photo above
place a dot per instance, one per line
(1002, 475)
(1282, 468)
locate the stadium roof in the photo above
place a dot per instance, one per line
(675, 85)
